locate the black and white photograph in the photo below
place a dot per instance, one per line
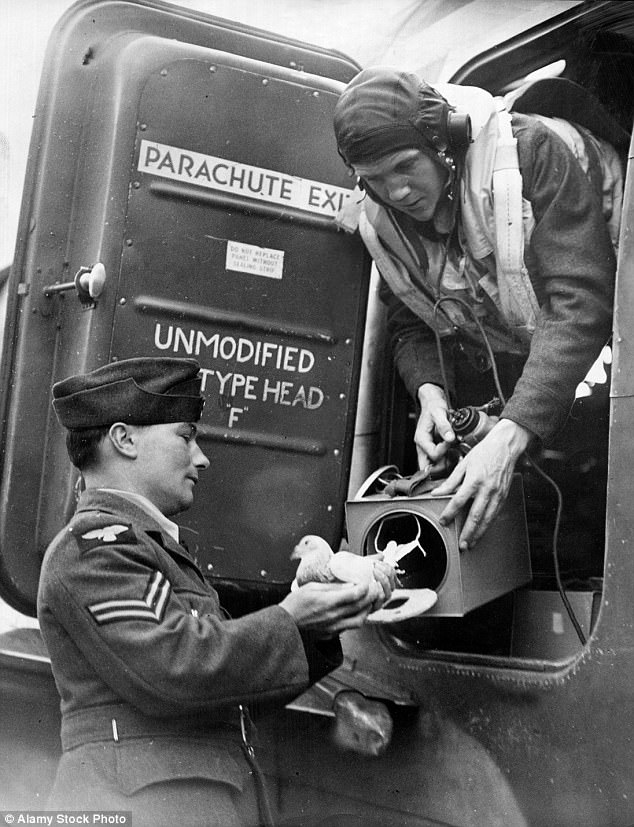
(316, 413)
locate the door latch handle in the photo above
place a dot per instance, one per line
(89, 283)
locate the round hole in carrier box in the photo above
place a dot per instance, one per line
(424, 555)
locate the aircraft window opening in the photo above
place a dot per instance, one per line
(534, 465)
(546, 621)
(595, 53)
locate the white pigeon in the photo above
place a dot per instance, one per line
(319, 563)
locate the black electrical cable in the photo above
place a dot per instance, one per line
(560, 587)
(485, 340)
(531, 461)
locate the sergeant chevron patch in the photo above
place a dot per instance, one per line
(151, 607)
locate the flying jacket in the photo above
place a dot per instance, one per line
(569, 263)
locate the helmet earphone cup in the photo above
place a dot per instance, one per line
(459, 134)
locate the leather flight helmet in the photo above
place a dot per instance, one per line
(383, 110)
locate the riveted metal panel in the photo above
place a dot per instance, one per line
(231, 256)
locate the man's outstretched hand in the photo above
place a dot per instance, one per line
(482, 479)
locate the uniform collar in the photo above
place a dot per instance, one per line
(120, 503)
(123, 505)
(166, 525)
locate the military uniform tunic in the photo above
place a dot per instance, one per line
(151, 672)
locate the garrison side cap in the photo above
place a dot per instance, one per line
(140, 391)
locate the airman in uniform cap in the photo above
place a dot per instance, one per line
(155, 681)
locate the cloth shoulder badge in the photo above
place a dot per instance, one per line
(108, 533)
(151, 606)
(116, 533)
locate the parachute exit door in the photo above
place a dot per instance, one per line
(205, 184)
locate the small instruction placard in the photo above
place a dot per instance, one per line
(260, 261)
